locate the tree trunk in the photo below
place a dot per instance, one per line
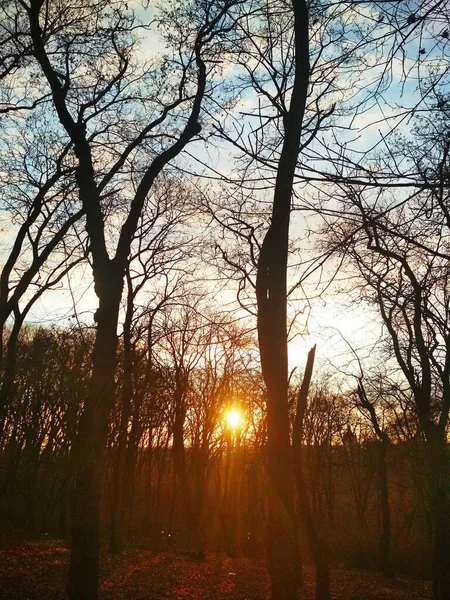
(382, 477)
(225, 513)
(119, 477)
(119, 480)
(283, 552)
(181, 498)
(385, 538)
(89, 449)
(179, 455)
(440, 498)
(230, 496)
(197, 530)
(8, 371)
(271, 293)
(130, 467)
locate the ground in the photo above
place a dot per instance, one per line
(37, 571)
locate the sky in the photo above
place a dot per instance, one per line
(335, 322)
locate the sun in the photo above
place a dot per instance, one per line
(233, 418)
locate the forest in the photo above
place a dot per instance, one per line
(224, 299)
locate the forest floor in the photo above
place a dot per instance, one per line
(37, 571)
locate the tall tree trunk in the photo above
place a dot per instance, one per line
(440, 498)
(119, 474)
(197, 530)
(8, 371)
(228, 528)
(181, 497)
(386, 533)
(119, 477)
(89, 448)
(130, 467)
(178, 450)
(129, 479)
(271, 292)
(88, 451)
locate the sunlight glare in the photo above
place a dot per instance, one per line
(234, 418)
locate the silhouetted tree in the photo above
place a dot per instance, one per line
(399, 248)
(86, 57)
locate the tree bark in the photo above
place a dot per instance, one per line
(119, 474)
(89, 448)
(9, 369)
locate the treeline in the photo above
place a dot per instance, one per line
(207, 489)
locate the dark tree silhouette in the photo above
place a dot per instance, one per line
(400, 252)
(85, 55)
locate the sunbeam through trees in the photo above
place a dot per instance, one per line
(224, 299)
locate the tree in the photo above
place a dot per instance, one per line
(271, 290)
(41, 423)
(86, 56)
(39, 197)
(212, 389)
(317, 544)
(400, 250)
(285, 70)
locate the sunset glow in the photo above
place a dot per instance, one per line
(234, 419)
(224, 299)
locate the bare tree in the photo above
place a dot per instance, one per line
(39, 198)
(271, 289)
(86, 56)
(399, 248)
